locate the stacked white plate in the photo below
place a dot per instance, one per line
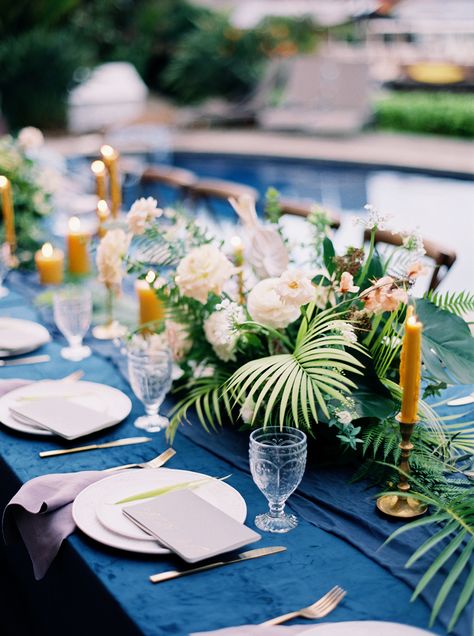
(20, 336)
(364, 628)
(98, 397)
(98, 515)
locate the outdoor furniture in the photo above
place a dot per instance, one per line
(296, 207)
(204, 189)
(444, 258)
(177, 178)
(323, 94)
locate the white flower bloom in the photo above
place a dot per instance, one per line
(391, 342)
(413, 242)
(110, 253)
(205, 269)
(375, 218)
(247, 410)
(201, 370)
(220, 329)
(323, 295)
(345, 329)
(149, 343)
(30, 138)
(295, 288)
(178, 339)
(266, 306)
(141, 213)
(345, 417)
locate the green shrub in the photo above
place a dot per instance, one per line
(436, 113)
(37, 72)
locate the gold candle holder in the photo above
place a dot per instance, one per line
(393, 505)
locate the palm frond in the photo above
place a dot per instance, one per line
(453, 524)
(458, 303)
(292, 386)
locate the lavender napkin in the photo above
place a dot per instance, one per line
(41, 511)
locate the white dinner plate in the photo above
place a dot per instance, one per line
(365, 628)
(21, 336)
(98, 397)
(101, 495)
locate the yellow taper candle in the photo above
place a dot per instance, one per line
(402, 354)
(103, 214)
(8, 213)
(98, 168)
(412, 373)
(110, 157)
(150, 307)
(77, 248)
(50, 265)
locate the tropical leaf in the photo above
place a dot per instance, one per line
(458, 303)
(447, 344)
(453, 524)
(290, 387)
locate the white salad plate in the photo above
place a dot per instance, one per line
(365, 628)
(96, 514)
(98, 397)
(21, 336)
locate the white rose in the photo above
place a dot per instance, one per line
(295, 288)
(220, 335)
(30, 138)
(344, 417)
(141, 213)
(109, 258)
(247, 410)
(266, 306)
(205, 269)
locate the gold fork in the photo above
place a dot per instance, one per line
(319, 609)
(156, 462)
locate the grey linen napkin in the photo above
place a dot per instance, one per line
(41, 511)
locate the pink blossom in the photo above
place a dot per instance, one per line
(347, 283)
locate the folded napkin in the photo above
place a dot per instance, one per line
(41, 514)
(257, 630)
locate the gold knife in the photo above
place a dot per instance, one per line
(243, 556)
(79, 449)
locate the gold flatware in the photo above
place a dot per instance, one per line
(75, 376)
(319, 609)
(79, 449)
(153, 463)
(243, 556)
(25, 360)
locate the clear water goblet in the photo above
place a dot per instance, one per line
(6, 263)
(277, 463)
(72, 315)
(150, 377)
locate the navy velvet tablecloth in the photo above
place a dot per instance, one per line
(92, 589)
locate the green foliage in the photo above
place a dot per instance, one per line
(37, 72)
(272, 206)
(458, 303)
(447, 344)
(452, 520)
(438, 113)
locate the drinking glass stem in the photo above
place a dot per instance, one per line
(151, 409)
(75, 342)
(276, 509)
(109, 305)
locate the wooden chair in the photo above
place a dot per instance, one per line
(205, 189)
(295, 207)
(443, 258)
(178, 178)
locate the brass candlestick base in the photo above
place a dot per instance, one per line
(393, 505)
(109, 331)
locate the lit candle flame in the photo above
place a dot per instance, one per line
(47, 250)
(98, 167)
(236, 242)
(412, 320)
(102, 207)
(74, 224)
(150, 277)
(107, 152)
(3, 182)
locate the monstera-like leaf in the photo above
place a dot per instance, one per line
(447, 344)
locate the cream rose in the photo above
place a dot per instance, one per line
(295, 288)
(267, 307)
(221, 332)
(178, 339)
(109, 258)
(205, 269)
(141, 213)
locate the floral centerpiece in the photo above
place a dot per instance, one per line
(31, 196)
(262, 339)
